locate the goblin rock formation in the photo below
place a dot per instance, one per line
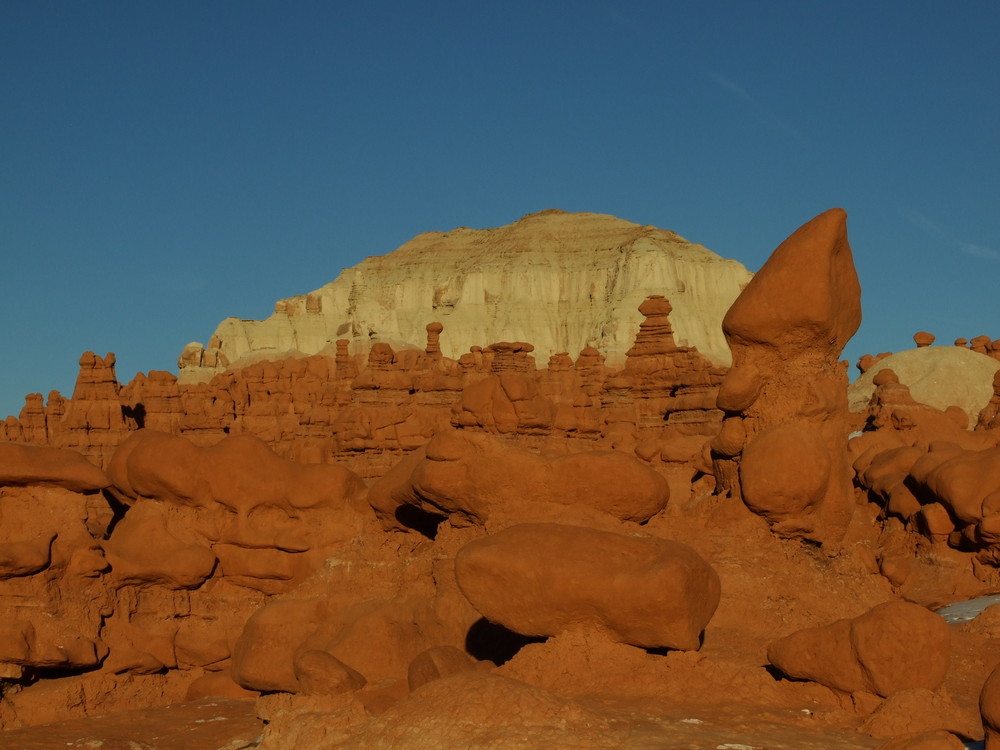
(781, 447)
(530, 541)
(51, 525)
(369, 411)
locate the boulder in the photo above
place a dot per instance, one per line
(894, 646)
(543, 579)
(989, 709)
(472, 477)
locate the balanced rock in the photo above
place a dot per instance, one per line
(543, 579)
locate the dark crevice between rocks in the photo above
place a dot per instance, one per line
(490, 641)
(419, 520)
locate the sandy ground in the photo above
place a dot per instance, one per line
(208, 724)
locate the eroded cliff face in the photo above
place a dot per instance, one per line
(563, 281)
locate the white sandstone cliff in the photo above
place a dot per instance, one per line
(558, 280)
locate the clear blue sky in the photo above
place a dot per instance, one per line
(166, 164)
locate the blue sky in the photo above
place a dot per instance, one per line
(164, 165)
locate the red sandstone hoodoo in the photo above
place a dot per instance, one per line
(403, 549)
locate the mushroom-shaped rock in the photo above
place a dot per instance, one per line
(894, 646)
(543, 579)
(923, 338)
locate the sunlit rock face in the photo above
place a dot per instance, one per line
(559, 280)
(52, 596)
(785, 396)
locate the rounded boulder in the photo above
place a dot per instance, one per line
(894, 646)
(543, 579)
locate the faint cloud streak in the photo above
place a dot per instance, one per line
(980, 251)
(731, 86)
(920, 221)
(926, 224)
(767, 117)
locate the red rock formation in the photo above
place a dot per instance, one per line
(980, 344)
(52, 597)
(922, 338)
(989, 707)
(989, 417)
(22, 465)
(928, 470)
(93, 422)
(664, 387)
(543, 579)
(370, 414)
(918, 710)
(472, 478)
(892, 407)
(433, 348)
(208, 535)
(785, 397)
(235, 552)
(893, 647)
(867, 361)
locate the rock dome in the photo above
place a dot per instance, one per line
(563, 281)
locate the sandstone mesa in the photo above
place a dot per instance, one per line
(593, 487)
